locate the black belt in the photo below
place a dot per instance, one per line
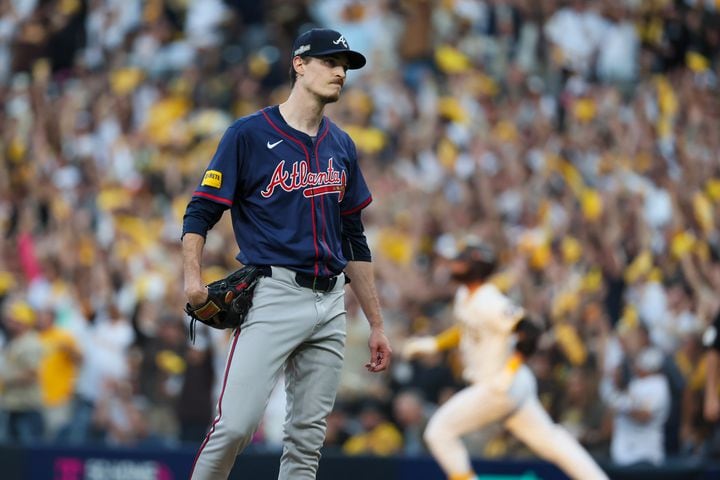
(317, 284)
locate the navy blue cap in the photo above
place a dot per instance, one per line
(324, 41)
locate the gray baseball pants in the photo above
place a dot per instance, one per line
(290, 327)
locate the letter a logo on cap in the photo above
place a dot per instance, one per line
(341, 40)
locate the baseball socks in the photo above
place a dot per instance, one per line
(464, 476)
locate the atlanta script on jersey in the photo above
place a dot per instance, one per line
(286, 191)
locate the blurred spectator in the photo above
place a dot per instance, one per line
(640, 412)
(575, 32)
(693, 363)
(105, 342)
(195, 400)
(411, 417)
(119, 415)
(583, 413)
(58, 371)
(377, 435)
(338, 428)
(677, 320)
(617, 59)
(637, 341)
(19, 376)
(162, 368)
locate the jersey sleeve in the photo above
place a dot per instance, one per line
(448, 339)
(357, 194)
(354, 242)
(220, 178)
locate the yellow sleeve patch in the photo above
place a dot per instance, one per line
(212, 178)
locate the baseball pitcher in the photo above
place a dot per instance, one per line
(292, 182)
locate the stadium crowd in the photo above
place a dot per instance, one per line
(582, 139)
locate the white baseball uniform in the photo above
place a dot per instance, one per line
(498, 393)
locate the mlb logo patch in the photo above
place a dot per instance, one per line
(212, 178)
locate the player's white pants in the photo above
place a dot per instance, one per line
(478, 405)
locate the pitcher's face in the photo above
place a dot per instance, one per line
(324, 76)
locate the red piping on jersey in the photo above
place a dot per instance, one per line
(220, 399)
(359, 207)
(312, 200)
(213, 197)
(320, 199)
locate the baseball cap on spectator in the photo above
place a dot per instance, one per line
(21, 312)
(318, 42)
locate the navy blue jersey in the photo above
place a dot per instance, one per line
(286, 191)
